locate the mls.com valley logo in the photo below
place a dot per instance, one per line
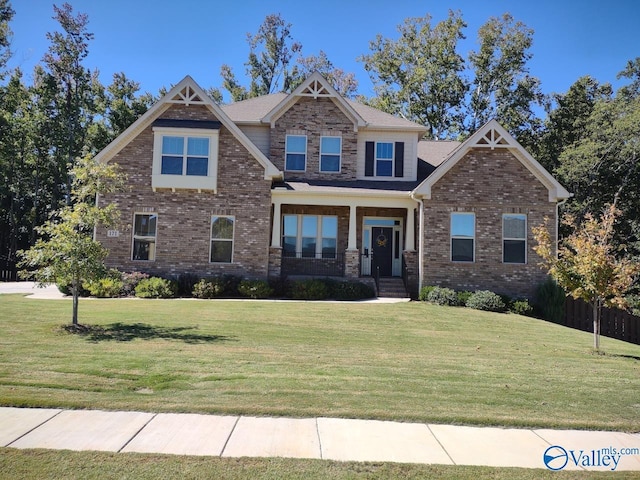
(557, 458)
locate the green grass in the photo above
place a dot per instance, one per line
(43, 464)
(407, 362)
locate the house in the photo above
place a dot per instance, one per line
(311, 183)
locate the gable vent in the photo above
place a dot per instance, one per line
(187, 96)
(315, 89)
(492, 139)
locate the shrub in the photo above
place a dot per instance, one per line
(65, 288)
(463, 297)
(255, 289)
(550, 300)
(486, 300)
(351, 291)
(108, 287)
(443, 296)
(424, 293)
(280, 286)
(186, 282)
(130, 281)
(156, 287)
(209, 288)
(522, 307)
(312, 289)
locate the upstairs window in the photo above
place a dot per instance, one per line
(185, 156)
(330, 153)
(144, 236)
(384, 159)
(463, 234)
(296, 153)
(514, 238)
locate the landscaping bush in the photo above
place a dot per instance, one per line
(443, 296)
(280, 286)
(255, 289)
(312, 289)
(186, 282)
(65, 288)
(351, 291)
(521, 307)
(463, 297)
(130, 281)
(209, 288)
(156, 287)
(486, 300)
(108, 287)
(424, 293)
(550, 300)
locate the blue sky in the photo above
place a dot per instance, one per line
(158, 42)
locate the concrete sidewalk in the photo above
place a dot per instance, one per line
(319, 438)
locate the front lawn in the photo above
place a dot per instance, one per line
(408, 361)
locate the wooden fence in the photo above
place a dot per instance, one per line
(8, 270)
(614, 323)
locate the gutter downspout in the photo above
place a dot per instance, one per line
(420, 238)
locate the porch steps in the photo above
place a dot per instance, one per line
(392, 287)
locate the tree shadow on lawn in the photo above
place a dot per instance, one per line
(125, 332)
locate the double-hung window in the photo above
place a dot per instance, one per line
(310, 236)
(514, 238)
(330, 153)
(185, 156)
(222, 239)
(463, 233)
(144, 236)
(384, 159)
(296, 153)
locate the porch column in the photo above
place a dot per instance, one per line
(275, 233)
(409, 241)
(352, 244)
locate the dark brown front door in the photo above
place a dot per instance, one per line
(382, 248)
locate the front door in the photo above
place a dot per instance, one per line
(382, 249)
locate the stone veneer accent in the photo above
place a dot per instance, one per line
(184, 217)
(489, 183)
(315, 117)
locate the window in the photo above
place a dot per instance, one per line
(310, 236)
(384, 159)
(463, 231)
(330, 152)
(514, 238)
(222, 239)
(144, 236)
(296, 153)
(185, 158)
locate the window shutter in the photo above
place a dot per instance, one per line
(399, 160)
(368, 159)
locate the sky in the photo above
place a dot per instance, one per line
(158, 42)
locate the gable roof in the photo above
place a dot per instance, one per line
(186, 92)
(494, 136)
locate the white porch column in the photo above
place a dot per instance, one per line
(409, 241)
(277, 216)
(352, 245)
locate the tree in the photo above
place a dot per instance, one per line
(587, 265)
(6, 14)
(344, 83)
(502, 87)
(419, 75)
(66, 252)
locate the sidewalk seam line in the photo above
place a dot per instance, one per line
(440, 443)
(34, 428)
(233, 429)
(550, 444)
(319, 439)
(137, 433)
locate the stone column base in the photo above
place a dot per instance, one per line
(275, 262)
(352, 264)
(411, 261)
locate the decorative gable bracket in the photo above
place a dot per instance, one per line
(492, 139)
(187, 96)
(315, 89)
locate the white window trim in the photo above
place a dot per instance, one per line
(319, 234)
(134, 237)
(286, 152)
(339, 155)
(375, 159)
(452, 237)
(184, 181)
(232, 240)
(526, 259)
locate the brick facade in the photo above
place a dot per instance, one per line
(488, 183)
(184, 216)
(314, 118)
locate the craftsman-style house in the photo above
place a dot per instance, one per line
(311, 183)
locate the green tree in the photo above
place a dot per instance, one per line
(67, 252)
(502, 87)
(6, 14)
(420, 75)
(588, 265)
(344, 83)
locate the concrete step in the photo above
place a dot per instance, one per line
(392, 287)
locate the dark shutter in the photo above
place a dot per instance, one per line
(369, 158)
(399, 160)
